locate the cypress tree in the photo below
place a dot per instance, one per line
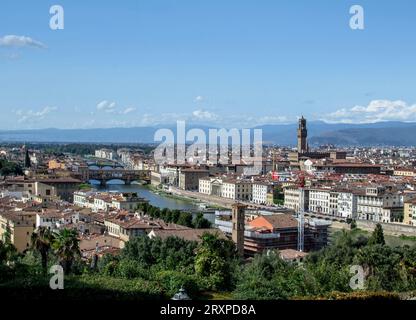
(378, 236)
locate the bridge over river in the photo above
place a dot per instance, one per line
(128, 176)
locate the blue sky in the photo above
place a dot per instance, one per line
(224, 63)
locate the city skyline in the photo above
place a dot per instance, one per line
(219, 64)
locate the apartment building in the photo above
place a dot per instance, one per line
(189, 178)
(409, 216)
(230, 188)
(380, 204)
(61, 187)
(293, 199)
(105, 154)
(56, 219)
(84, 199)
(347, 204)
(237, 189)
(210, 186)
(261, 192)
(405, 172)
(125, 227)
(55, 164)
(18, 226)
(158, 178)
(105, 201)
(323, 201)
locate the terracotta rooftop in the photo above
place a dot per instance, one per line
(279, 221)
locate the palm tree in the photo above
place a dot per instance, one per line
(41, 241)
(66, 245)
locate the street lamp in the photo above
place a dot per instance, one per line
(181, 295)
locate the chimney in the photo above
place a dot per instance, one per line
(238, 221)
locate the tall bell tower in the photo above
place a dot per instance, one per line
(238, 221)
(302, 136)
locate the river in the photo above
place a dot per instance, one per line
(154, 199)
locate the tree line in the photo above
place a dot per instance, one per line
(175, 216)
(8, 168)
(157, 268)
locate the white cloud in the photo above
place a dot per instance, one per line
(106, 106)
(34, 116)
(375, 111)
(271, 120)
(128, 110)
(20, 41)
(199, 99)
(204, 115)
(111, 107)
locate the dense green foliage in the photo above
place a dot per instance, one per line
(278, 195)
(8, 168)
(81, 149)
(175, 263)
(66, 246)
(170, 254)
(214, 262)
(175, 216)
(157, 268)
(41, 241)
(327, 271)
(86, 287)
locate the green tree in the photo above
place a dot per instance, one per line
(66, 246)
(378, 236)
(381, 265)
(41, 241)
(8, 168)
(185, 219)
(8, 252)
(214, 261)
(172, 253)
(27, 159)
(107, 265)
(270, 277)
(278, 195)
(200, 222)
(175, 215)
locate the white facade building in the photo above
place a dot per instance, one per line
(237, 189)
(293, 198)
(105, 154)
(380, 205)
(347, 204)
(260, 192)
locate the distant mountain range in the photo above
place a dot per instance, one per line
(319, 133)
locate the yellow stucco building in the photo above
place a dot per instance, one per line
(20, 226)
